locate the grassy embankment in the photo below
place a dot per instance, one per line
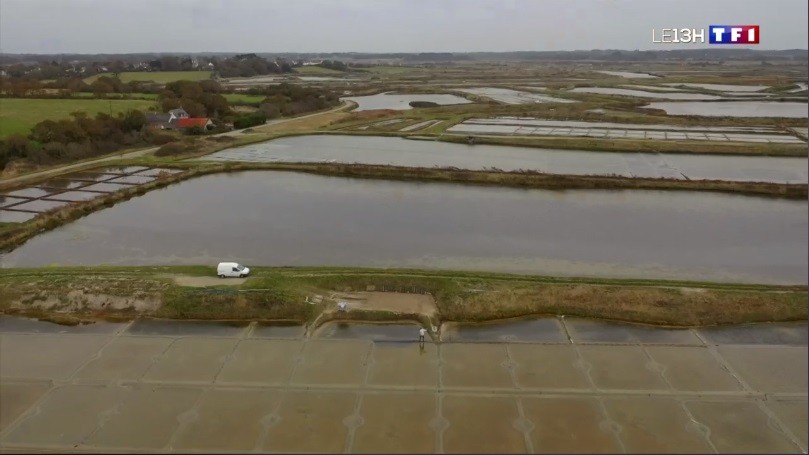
(73, 294)
(160, 77)
(19, 115)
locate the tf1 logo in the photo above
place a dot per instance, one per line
(717, 34)
(733, 34)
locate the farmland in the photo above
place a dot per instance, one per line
(161, 77)
(18, 116)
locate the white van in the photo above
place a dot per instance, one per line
(232, 269)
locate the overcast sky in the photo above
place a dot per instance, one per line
(124, 26)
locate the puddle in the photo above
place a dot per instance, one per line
(122, 169)
(401, 102)
(278, 330)
(11, 324)
(733, 109)
(793, 333)
(186, 328)
(592, 331)
(364, 331)
(536, 330)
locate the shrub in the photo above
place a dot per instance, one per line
(246, 121)
(423, 104)
(172, 148)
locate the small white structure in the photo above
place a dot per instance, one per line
(231, 269)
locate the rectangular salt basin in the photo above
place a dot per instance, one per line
(628, 126)
(107, 187)
(32, 192)
(75, 196)
(336, 221)
(509, 96)
(62, 183)
(642, 94)
(154, 172)
(132, 179)
(415, 153)
(39, 205)
(733, 109)
(6, 201)
(7, 216)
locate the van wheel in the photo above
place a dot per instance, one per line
(241, 276)
(221, 276)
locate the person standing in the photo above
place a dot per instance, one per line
(422, 334)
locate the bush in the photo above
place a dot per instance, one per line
(172, 148)
(246, 121)
(423, 104)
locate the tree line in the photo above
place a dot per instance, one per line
(82, 136)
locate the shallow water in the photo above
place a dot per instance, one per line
(404, 152)
(628, 74)
(509, 96)
(401, 102)
(733, 109)
(284, 218)
(643, 94)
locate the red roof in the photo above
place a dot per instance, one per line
(194, 121)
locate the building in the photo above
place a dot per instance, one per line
(201, 122)
(176, 114)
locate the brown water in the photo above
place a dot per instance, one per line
(277, 218)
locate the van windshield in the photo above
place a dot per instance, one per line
(240, 267)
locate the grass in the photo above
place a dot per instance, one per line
(317, 71)
(160, 77)
(243, 98)
(144, 96)
(19, 115)
(279, 293)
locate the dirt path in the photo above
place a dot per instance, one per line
(203, 281)
(389, 301)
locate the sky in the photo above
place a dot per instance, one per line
(127, 26)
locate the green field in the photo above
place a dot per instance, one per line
(136, 96)
(161, 77)
(19, 115)
(236, 98)
(316, 71)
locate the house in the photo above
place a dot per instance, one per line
(161, 121)
(176, 114)
(201, 122)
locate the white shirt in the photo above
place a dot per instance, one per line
(422, 332)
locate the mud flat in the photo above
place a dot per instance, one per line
(285, 218)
